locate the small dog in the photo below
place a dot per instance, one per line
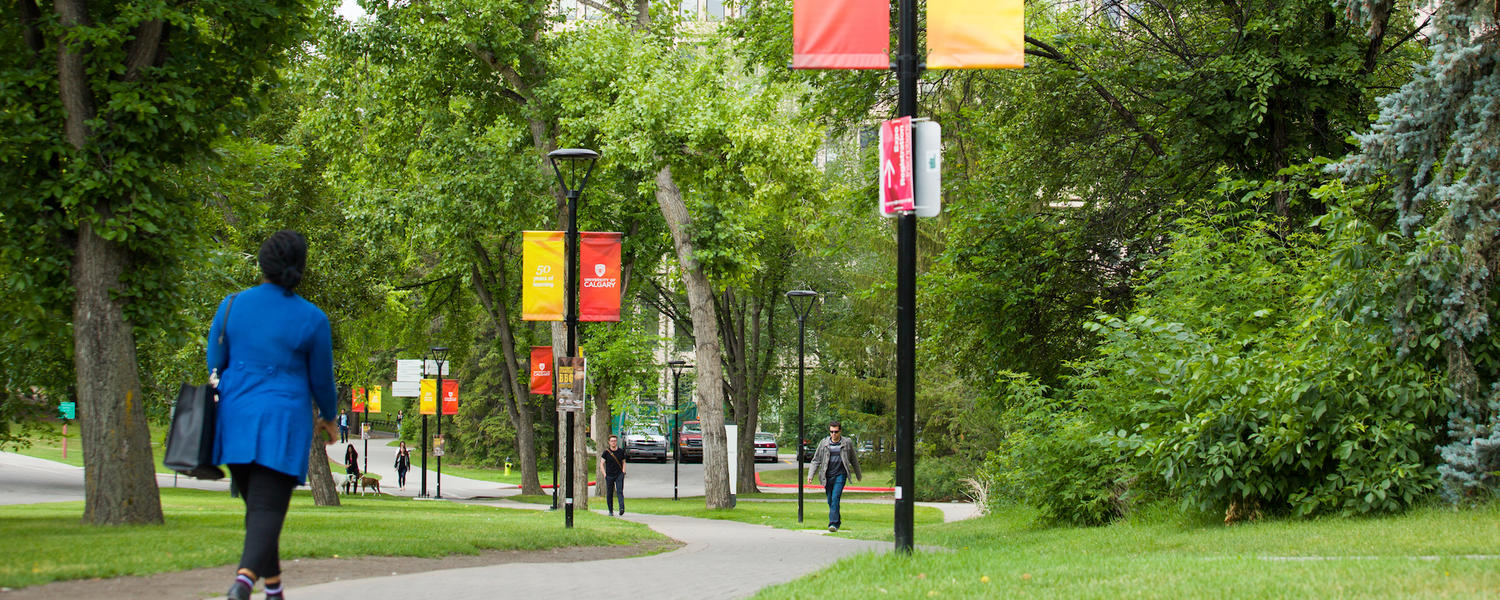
(362, 482)
(366, 483)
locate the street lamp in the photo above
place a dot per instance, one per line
(440, 358)
(566, 164)
(802, 302)
(677, 366)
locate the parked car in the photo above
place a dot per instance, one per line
(690, 442)
(645, 443)
(765, 447)
(807, 451)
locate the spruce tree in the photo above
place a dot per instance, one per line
(1436, 146)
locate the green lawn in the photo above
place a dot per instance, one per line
(50, 447)
(205, 529)
(1417, 555)
(871, 521)
(873, 477)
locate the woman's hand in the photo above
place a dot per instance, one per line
(328, 427)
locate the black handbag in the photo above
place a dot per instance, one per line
(190, 441)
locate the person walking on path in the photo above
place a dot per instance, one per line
(614, 475)
(834, 460)
(271, 353)
(343, 427)
(351, 466)
(400, 415)
(403, 464)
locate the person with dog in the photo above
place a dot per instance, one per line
(614, 474)
(273, 364)
(834, 460)
(351, 464)
(403, 464)
(343, 427)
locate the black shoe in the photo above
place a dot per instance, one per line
(238, 591)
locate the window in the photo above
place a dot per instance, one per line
(714, 9)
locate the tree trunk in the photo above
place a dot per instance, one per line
(119, 479)
(602, 417)
(517, 399)
(710, 390)
(320, 474)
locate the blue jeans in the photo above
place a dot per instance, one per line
(614, 486)
(835, 488)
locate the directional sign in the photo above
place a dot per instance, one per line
(895, 166)
(408, 370)
(927, 193)
(406, 389)
(68, 410)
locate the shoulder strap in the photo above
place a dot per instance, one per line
(223, 330)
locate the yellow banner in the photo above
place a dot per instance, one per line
(542, 275)
(375, 399)
(975, 34)
(428, 403)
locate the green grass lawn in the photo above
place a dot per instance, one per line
(205, 529)
(873, 477)
(870, 521)
(49, 446)
(1008, 555)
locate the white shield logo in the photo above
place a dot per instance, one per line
(598, 270)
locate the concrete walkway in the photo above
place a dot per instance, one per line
(720, 559)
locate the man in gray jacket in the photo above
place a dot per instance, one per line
(834, 460)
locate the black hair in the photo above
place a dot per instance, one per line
(283, 258)
(836, 424)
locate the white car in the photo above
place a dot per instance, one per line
(765, 447)
(644, 443)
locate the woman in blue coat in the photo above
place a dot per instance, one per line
(272, 353)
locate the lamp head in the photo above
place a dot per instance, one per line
(677, 366)
(802, 302)
(567, 162)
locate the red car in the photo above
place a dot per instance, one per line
(690, 442)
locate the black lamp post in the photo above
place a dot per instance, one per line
(440, 358)
(677, 367)
(802, 303)
(567, 163)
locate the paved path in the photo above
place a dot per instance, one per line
(720, 559)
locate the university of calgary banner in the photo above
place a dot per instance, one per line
(841, 34)
(375, 399)
(599, 276)
(427, 403)
(542, 276)
(541, 370)
(450, 396)
(975, 34)
(358, 401)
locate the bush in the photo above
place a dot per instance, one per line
(1240, 389)
(940, 479)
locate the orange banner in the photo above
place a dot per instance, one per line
(975, 34)
(359, 400)
(599, 276)
(542, 275)
(541, 370)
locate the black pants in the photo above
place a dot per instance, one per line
(267, 494)
(401, 478)
(614, 485)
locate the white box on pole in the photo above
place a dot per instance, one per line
(927, 145)
(406, 389)
(432, 368)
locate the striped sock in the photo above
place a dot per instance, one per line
(273, 590)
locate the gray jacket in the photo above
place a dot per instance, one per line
(819, 462)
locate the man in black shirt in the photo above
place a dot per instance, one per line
(835, 460)
(614, 475)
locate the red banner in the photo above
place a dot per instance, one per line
(895, 166)
(359, 400)
(541, 370)
(450, 396)
(841, 34)
(598, 276)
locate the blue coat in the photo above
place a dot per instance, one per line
(275, 367)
